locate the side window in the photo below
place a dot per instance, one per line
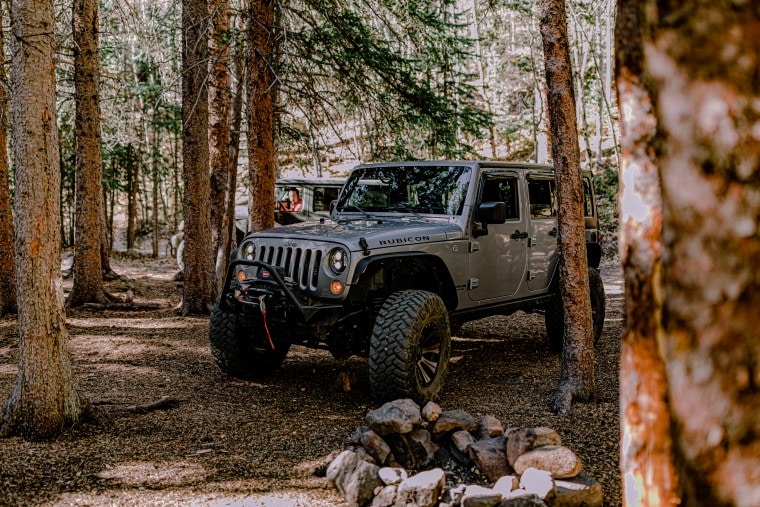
(503, 190)
(541, 193)
(323, 196)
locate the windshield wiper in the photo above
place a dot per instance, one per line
(405, 206)
(347, 207)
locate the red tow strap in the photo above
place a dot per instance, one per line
(263, 308)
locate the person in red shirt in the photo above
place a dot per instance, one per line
(295, 204)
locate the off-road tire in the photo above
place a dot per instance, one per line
(237, 350)
(410, 347)
(554, 314)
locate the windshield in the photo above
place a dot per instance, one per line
(439, 190)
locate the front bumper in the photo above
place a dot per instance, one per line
(281, 301)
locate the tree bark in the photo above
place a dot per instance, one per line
(649, 476)
(703, 62)
(87, 268)
(44, 398)
(133, 168)
(220, 116)
(261, 100)
(7, 262)
(577, 377)
(198, 290)
(230, 236)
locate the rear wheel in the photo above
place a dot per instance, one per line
(554, 315)
(410, 347)
(238, 351)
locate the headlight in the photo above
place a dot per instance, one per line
(248, 250)
(337, 260)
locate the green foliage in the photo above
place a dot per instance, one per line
(607, 187)
(397, 70)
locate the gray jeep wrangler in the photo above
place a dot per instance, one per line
(411, 250)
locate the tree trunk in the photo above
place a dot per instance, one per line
(577, 377)
(7, 263)
(44, 398)
(87, 269)
(132, 187)
(220, 113)
(702, 61)
(261, 85)
(198, 291)
(230, 239)
(646, 460)
(154, 155)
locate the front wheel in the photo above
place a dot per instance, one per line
(238, 351)
(554, 315)
(410, 347)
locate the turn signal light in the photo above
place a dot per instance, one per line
(336, 287)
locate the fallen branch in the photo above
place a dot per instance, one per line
(122, 306)
(164, 402)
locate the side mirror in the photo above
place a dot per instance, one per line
(492, 212)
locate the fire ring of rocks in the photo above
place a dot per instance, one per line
(405, 456)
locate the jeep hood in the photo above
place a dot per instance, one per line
(378, 232)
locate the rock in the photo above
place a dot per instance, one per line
(365, 456)
(422, 489)
(376, 447)
(489, 455)
(519, 441)
(506, 484)
(414, 450)
(546, 436)
(489, 427)
(478, 496)
(581, 490)
(454, 495)
(523, 500)
(392, 476)
(560, 461)
(355, 479)
(431, 411)
(399, 416)
(461, 441)
(537, 482)
(385, 498)
(356, 438)
(451, 421)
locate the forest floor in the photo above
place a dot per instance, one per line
(225, 441)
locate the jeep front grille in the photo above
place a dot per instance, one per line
(300, 264)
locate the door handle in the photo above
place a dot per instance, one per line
(553, 233)
(519, 235)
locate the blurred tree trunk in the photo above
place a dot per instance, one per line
(44, 399)
(577, 377)
(198, 291)
(7, 263)
(705, 94)
(220, 113)
(649, 476)
(90, 214)
(261, 101)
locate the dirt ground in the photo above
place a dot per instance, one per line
(230, 442)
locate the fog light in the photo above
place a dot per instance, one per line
(336, 287)
(241, 275)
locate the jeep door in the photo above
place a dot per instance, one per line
(542, 243)
(498, 256)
